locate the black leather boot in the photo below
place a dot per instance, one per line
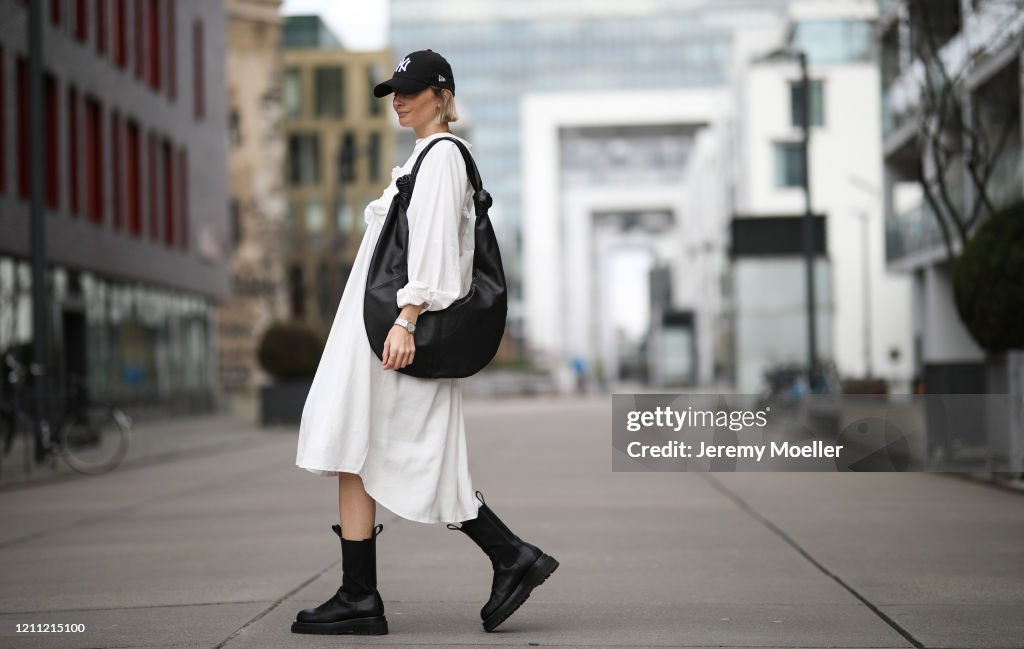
(357, 607)
(518, 566)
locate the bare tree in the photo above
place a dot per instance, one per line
(954, 135)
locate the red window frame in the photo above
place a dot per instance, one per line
(94, 160)
(55, 11)
(172, 49)
(198, 70)
(153, 38)
(183, 205)
(116, 169)
(168, 191)
(21, 85)
(51, 142)
(133, 179)
(154, 203)
(73, 160)
(140, 41)
(81, 20)
(120, 43)
(101, 27)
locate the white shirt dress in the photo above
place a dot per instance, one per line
(405, 436)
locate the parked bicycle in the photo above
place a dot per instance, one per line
(92, 438)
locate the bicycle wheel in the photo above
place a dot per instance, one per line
(94, 439)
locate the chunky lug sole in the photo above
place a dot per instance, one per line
(535, 576)
(355, 626)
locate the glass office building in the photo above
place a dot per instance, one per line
(502, 50)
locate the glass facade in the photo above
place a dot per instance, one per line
(789, 164)
(796, 103)
(330, 91)
(132, 343)
(502, 50)
(293, 92)
(835, 41)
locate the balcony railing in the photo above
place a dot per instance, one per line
(917, 230)
(1006, 184)
(913, 231)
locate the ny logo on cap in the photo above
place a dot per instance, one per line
(403, 65)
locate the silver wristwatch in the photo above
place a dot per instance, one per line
(409, 326)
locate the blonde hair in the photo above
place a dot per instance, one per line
(448, 112)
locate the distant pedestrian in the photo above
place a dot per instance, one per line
(395, 439)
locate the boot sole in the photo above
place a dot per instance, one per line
(356, 626)
(535, 576)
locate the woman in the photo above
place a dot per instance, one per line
(395, 439)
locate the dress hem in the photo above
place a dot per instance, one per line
(328, 472)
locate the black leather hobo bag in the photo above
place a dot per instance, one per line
(461, 339)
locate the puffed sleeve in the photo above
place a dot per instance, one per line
(434, 212)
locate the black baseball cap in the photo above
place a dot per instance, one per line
(416, 72)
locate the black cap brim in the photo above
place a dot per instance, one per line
(385, 88)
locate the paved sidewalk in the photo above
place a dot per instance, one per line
(221, 549)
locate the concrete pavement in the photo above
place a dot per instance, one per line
(220, 549)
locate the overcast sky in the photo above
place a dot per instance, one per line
(360, 24)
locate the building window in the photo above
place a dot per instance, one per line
(21, 87)
(342, 215)
(55, 11)
(116, 169)
(304, 159)
(93, 160)
(73, 161)
(172, 49)
(51, 142)
(374, 157)
(169, 190)
(293, 92)
(3, 124)
(133, 179)
(323, 290)
(373, 73)
(101, 27)
(183, 203)
(153, 40)
(835, 41)
(315, 216)
(51, 180)
(140, 41)
(81, 20)
(151, 189)
(329, 92)
(198, 70)
(120, 43)
(796, 103)
(296, 292)
(789, 164)
(347, 156)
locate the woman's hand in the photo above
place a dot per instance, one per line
(400, 347)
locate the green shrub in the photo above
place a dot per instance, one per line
(988, 281)
(290, 350)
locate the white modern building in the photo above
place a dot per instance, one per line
(623, 230)
(862, 311)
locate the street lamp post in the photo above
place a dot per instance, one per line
(812, 334)
(37, 215)
(790, 52)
